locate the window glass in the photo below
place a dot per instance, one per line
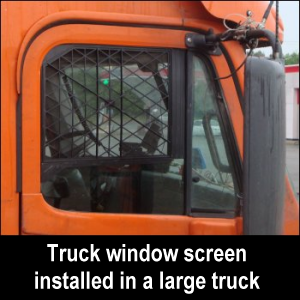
(144, 189)
(213, 187)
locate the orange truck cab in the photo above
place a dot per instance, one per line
(143, 117)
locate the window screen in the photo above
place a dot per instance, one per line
(106, 102)
(106, 126)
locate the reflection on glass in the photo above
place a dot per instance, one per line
(213, 187)
(149, 189)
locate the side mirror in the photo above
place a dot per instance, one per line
(264, 147)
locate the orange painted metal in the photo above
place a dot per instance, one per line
(9, 97)
(291, 211)
(29, 30)
(236, 11)
(163, 13)
(40, 218)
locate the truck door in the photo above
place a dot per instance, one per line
(116, 139)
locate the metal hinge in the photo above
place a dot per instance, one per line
(207, 43)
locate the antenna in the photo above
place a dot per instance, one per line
(277, 45)
(277, 49)
(266, 15)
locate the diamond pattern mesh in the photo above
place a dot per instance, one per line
(105, 102)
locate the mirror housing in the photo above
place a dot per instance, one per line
(264, 147)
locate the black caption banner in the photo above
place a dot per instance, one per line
(169, 265)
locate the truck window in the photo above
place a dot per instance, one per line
(106, 137)
(213, 187)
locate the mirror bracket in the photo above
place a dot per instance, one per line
(204, 43)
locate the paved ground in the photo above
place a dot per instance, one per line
(292, 162)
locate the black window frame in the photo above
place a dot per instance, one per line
(180, 132)
(229, 137)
